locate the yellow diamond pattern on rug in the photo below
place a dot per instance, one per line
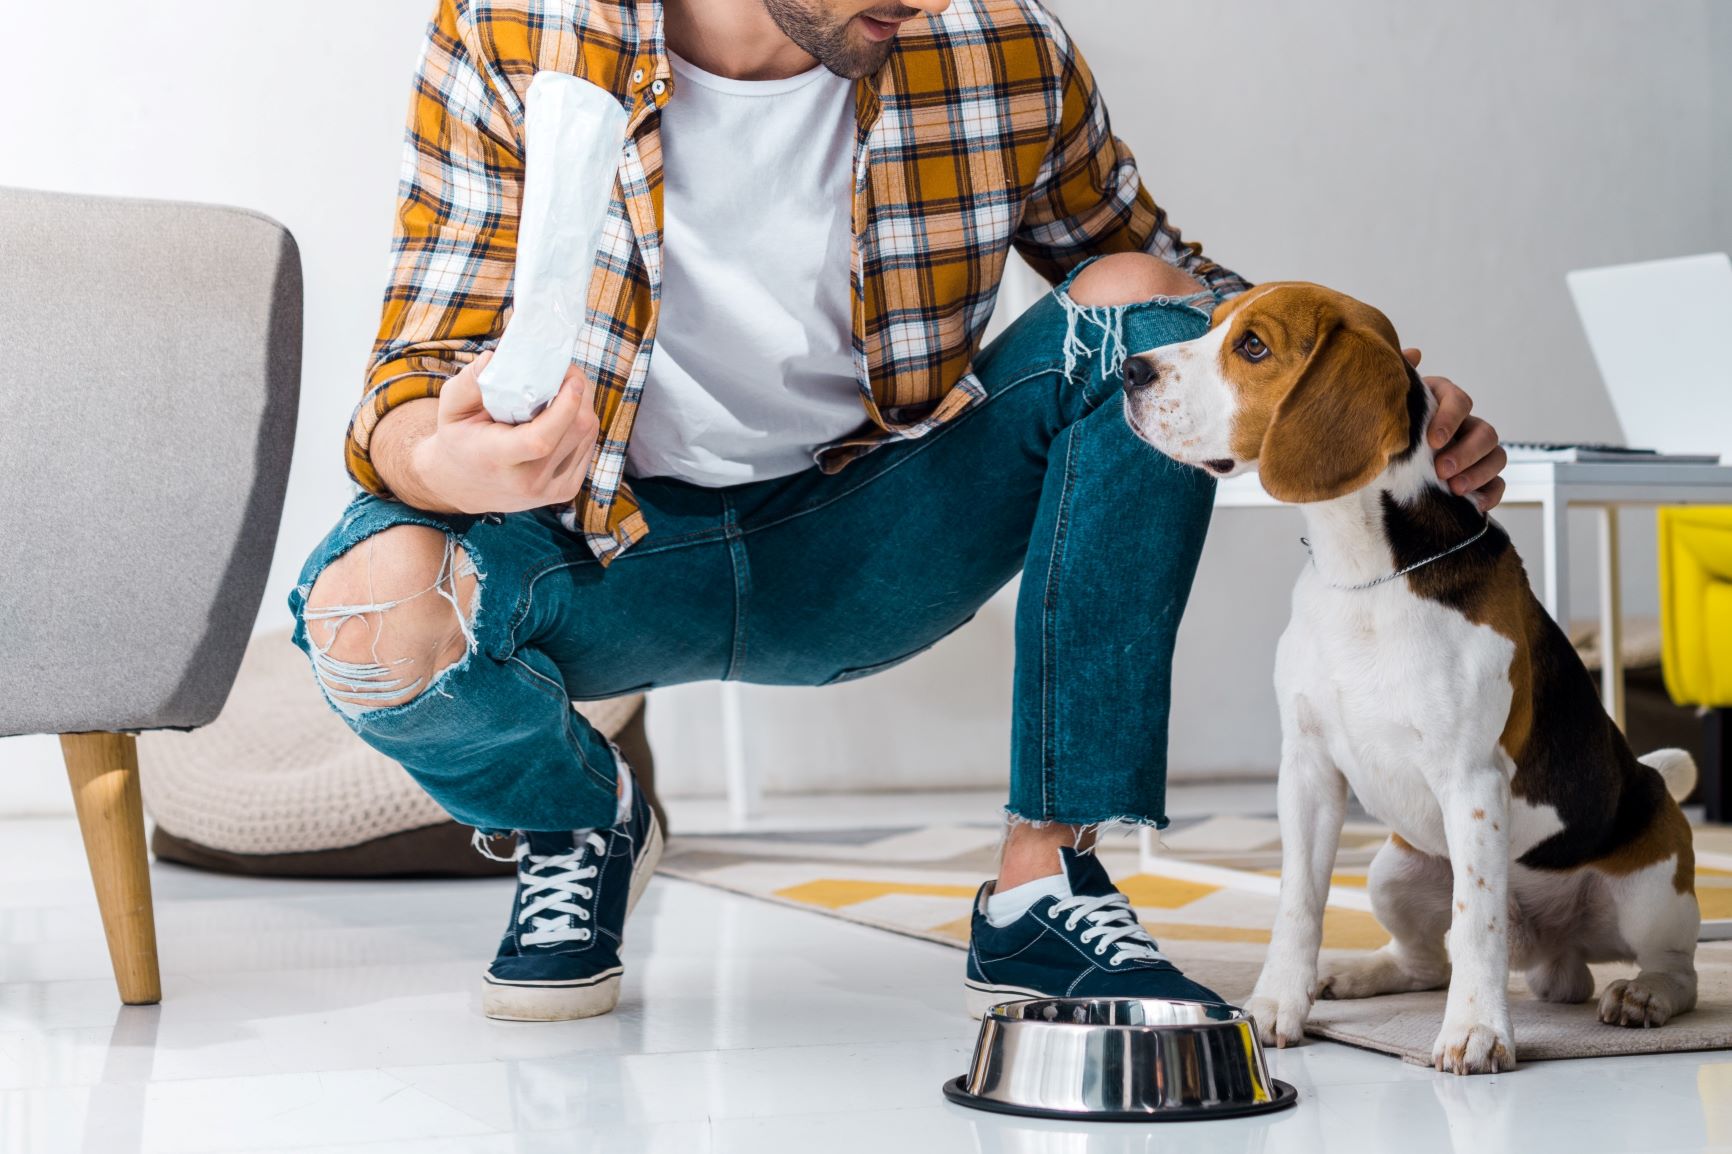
(920, 882)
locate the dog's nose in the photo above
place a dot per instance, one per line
(1139, 374)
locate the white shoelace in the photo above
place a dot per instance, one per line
(549, 896)
(1111, 920)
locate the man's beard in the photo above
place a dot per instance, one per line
(823, 36)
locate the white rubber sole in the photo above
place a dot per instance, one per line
(982, 998)
(585, 997)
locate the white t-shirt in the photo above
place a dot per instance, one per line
(753, 364)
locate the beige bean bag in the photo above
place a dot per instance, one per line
(278, 785)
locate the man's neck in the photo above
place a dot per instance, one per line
(733, 38)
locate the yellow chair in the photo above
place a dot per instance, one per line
(1696, 633)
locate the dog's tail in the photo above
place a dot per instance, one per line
(1676, 767)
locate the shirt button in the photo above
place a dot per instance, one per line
(637, 77)
(658, 88)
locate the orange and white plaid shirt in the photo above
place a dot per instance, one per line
(982, 131)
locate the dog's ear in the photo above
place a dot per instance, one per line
(1345, 415)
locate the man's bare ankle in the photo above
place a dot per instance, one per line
(1031, 851)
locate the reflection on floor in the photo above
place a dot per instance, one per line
(341, 1017)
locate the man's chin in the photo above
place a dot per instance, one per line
(862, 57)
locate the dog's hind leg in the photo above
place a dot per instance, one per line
(1561, 978)
(1659, 921)
(1410, 896)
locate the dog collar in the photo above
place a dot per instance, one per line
(1404, 570)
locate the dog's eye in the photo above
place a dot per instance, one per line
(1253, 347)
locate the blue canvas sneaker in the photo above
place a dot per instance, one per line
(1085, 942)
(559, 958)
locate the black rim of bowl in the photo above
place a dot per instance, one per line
(1285, 1096)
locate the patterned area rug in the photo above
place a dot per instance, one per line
(1208, 896)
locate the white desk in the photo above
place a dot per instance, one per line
(1555, 487)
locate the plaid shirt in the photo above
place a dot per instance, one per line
(982, 131)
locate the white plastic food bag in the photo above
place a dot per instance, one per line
(572, 134)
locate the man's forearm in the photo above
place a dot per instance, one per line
(393, 452)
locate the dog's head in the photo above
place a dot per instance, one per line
(1305, 383)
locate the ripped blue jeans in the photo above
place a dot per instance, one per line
(817, 579)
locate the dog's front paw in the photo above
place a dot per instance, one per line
(1473, 1048)
(1637, 1002)
(1280, 1016)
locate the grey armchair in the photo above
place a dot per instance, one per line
(149, 375)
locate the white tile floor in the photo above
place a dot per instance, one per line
(341, 1017)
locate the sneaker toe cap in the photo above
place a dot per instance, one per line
(549, 968)
(1170, 983)
(1159, 981)
(1186, 989)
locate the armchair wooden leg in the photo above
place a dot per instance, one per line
(103, 770)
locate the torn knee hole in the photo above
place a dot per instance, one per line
(390, 618)
(1123, 278)
(1095, 303)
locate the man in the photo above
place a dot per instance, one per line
(780, 455)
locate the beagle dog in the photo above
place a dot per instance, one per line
(1419, 669)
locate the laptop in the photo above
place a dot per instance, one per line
(1661, 333)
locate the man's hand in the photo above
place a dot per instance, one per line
(1469, 457)
(449, 456)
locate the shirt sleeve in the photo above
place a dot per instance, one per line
(454, 241)
(1090, 199)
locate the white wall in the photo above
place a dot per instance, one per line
(1447, 162)
(1720, 50)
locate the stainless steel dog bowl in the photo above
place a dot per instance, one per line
(1119, 1060)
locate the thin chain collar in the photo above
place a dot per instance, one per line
(1404, 570)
